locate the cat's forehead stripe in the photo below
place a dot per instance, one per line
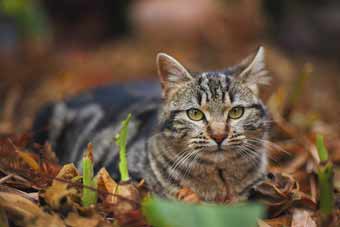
(203, 84)
(213, 86)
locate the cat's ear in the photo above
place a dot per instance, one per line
(171, 73)
(252, 71)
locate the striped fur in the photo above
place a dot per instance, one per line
(165, 147)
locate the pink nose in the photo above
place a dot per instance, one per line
(219, 137)
(218, 131)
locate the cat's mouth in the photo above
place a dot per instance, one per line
(218, 148)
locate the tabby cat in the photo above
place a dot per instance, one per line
(205, 133)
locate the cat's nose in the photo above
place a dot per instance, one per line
(218, 131)
(219, 137)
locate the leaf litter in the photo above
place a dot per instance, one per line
(302, 188)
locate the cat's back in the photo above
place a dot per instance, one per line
(95, 117)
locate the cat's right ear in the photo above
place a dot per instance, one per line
(171, 74)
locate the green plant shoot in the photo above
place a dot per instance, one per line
(121, 138)
(89, 197)
(322, 150)
(29, 16)
(325, 177)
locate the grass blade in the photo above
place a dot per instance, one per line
(322, 150)
(325, 177)
(121, 142)
(89, 196)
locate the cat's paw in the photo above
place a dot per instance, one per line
(187, 195)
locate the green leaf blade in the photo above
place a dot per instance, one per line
(89, 197)
(325, 179)
(162, 213)
(322, 150)
(121, 140)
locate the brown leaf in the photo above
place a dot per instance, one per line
(302, 218)
(131, 218)
(3, 218)
(281, 193)
(28, 159)
(74, 220)
(284, 220)
(105, 182)
(187, 195)
(60, 196)
(68, 172)
(261, 223)
(24, 212)
(125, 200)
(12, 190)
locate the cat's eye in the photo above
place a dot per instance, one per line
(195, 114)
(236, 112)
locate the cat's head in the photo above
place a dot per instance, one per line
(214, 112)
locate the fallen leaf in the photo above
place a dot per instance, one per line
(281, 193)
(106, 183)
(68, 172)
(23, 212)
(283, 220)
(74, 220)
(60, 195)
(187, 195)
(261, 223)
(28, 159)
(302, 218)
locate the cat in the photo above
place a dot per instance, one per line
(202, 131)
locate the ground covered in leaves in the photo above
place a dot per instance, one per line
(303, 189)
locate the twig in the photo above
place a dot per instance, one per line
(4, 179)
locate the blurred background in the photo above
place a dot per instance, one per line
(54, 49)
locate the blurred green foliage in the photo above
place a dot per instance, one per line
(29, 16)
(163, 213)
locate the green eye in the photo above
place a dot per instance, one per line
(195, 114)
(236, 112)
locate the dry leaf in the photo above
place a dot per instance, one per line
(60, 196)
(302, 218)
(187, 195)
(283, 220)
(28, 159)
(106, 183)
(261, 223)
(281, 193)
(24, 212)
(74, 220)
(68, 172)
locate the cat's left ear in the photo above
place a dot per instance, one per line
(171, 73)
(253, 71)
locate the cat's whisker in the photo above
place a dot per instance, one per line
(270, 144)
(245, 154)
(192, 162)
(251, 150)
(256, 147)
(254, 158)
(183, 157)
(173, 168)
